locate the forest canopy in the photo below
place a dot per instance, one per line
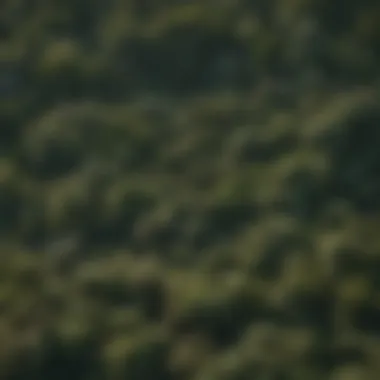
(189, 190)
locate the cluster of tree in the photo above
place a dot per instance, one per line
(189, 190)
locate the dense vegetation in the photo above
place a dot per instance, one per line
(189, 190)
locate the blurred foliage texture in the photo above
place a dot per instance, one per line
(189, 190)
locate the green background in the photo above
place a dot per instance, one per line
(189, 190)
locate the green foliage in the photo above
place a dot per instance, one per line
(189, 190)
